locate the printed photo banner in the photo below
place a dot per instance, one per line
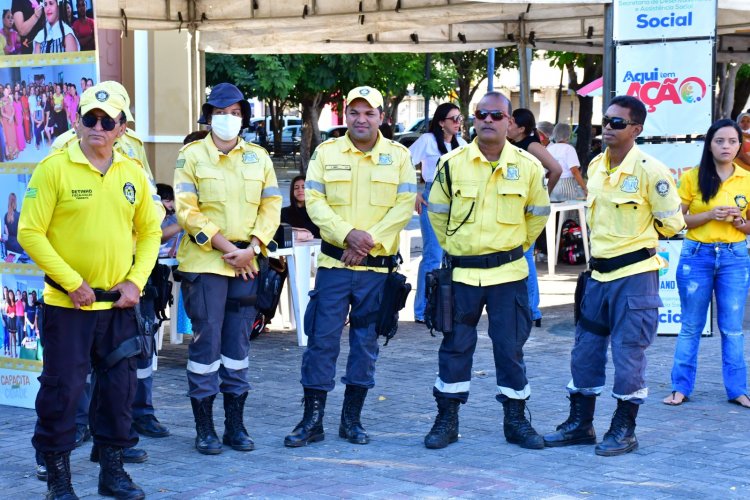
(679, 157)
(663, 19)
(44, 68)
(674, 81)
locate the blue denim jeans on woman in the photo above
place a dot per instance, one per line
(532, 284)
(432, 254)
(721, 269)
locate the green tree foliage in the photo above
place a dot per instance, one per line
(741, 90)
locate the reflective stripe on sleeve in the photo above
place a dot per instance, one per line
(316, 186)
(234, 364)
(454, 388)
(156, 197)
(201, 369)
(270, 191)
(666, 215)
(438, 208)
(407, 187)
(535, 210)
(185, 187)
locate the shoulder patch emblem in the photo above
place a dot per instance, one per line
(180, 163)
(662, 188)
(249, 157)
(630, 184)
(129, 191)
(385, 159)
(30, 192)
(512, 173)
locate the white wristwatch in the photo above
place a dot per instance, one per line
(256, 249)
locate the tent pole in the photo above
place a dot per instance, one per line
(608, 59)
(490, 70)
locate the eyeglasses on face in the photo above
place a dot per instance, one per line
(89, 121)
(495, 114)
(617, 123)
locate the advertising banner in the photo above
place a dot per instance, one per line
(679, 157)
(674, 81)
(663, 19)
(47, 59)
(670, 317)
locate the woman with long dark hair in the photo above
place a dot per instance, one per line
(522, 133)
(57, 35)
(295, 214)
(714, 261)
(443, 136)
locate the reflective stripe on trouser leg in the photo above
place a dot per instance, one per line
(205, 302)
(235, 339)
(456, 352)
(143, 405)
(367, 295)
(324, 320)
(509, 328)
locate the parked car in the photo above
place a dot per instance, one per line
(335, 131)
(250, 133)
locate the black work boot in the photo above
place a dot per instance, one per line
(59, 486)
(310, 428)
(113, 480)
(206, 440)
(445, 429)
(235, 434)
(517, 428)
(579, 428)
(129, 455)
(620, 438)
(351, 427)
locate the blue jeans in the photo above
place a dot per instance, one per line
(532, 284)
(432, 254)
(722, 269)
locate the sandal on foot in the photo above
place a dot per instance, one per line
(671, 402)
(736, 401)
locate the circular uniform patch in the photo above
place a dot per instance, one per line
(129, 191)
(662, 187)
(102, 95)
(740, 201)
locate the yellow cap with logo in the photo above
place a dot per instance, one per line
(109, 96)
(369, 94)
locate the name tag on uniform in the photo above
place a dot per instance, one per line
(630, 184)
(385, 159)
(338, 167)
(249, 157)
(512, 173)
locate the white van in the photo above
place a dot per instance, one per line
(250, 133)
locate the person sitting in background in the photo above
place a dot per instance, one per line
(571, 185)
(170, 229)
(296, 215)
(545, 131)
(713, 260)
(743, 157)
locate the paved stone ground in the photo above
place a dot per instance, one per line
(699, 450)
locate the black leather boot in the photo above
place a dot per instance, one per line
(59, 486)
(351, 427)
(235, 434)
(620, 438)
(517, 428)
(206, 440)
(129, 455)
(579, 427)
(113, 480)
(310, 428)
(445, 429)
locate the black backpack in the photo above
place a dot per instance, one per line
(159, 291)
(571, 244)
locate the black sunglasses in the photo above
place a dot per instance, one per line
(496, 115)
(617, 123)
(89, 121)
(455, 119)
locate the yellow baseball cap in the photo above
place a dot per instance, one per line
(109, 96)
(369, 94)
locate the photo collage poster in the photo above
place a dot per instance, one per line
(47, 59)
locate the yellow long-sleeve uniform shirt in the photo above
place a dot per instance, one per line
(77, 224)
(628, 208)
(348, 189)
(733, 192)
(234, 193)
(497, 209)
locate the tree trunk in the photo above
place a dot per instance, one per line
(728, 102)
(741, 95)
(277, 121)
(310, 131)
(721, 78)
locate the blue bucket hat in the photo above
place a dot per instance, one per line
(221, 96)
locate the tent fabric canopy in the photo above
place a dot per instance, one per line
(353, 26)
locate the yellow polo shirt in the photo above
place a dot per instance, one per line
(733, 192)
(349, 189)
(78, 224)
(234, 193)
(503, 207)
(628, 209)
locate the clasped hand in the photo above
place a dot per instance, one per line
(243, 262)
(359, 243)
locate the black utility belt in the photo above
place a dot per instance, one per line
(620, 261)
(101, 295)
(239, 244)
(388, 261)
(488, 261)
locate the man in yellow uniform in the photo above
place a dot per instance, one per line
(228, 202)
(489, 206)
(360, 192)
(632, 199)
(82, 207)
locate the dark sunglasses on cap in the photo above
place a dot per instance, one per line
(495, 114)
(617, 123)
(455, 119)
(108, 123)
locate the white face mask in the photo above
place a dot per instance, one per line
(226, 127)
